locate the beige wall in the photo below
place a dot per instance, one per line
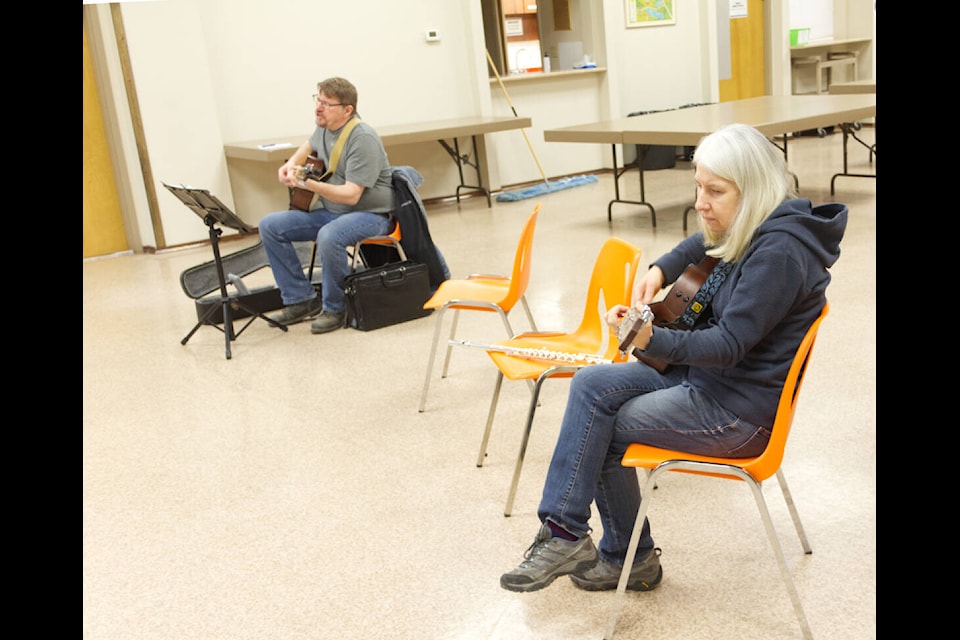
(208, 72)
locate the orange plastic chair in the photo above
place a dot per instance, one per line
(391, 239)
(753, 471)
(610, 284)
(481, 292)
(354, 253)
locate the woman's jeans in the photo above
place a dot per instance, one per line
(611, 406)
(334, 232)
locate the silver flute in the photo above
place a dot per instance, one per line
(535, 354)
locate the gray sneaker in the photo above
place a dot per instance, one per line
(327, 322)
(298, 312)
(645, 576)
(549, 558)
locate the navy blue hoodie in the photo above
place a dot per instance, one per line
(741, 355)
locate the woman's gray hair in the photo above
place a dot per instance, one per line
(744, 156)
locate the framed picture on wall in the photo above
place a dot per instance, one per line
(650, 13)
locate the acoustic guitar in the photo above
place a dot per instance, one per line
(313, 169)
(667, 311)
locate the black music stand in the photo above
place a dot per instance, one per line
(214, 212)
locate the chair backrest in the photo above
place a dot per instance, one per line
(613, 274)
(766, 464)
(520, 276)
(377, 250)
(390, 239)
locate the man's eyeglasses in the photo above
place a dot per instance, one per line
(324, 105)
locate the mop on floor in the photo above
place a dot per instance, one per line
(547, 186)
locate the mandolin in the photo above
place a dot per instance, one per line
(313, 169)
(665, 312)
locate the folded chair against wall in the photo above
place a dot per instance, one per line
(611, 283)
(753, 471)
(481, 292)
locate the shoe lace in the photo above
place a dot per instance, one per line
(532, 549)
(535, 551)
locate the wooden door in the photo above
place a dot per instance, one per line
(103, 231)
(746, 56)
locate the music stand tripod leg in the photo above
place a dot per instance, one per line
(214, 212)
(227, 312)
(199, 324)
(254, 314)
(228, 319)
(228, 332)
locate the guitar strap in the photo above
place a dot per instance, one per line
(338, 147)
(703, 297)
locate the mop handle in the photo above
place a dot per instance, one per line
(512, 108)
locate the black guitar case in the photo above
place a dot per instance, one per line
(202, 283)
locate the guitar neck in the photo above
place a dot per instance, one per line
(633, 321)
(313, 169)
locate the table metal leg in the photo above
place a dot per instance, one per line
(848, 129)
(616, 189)
(462, 159)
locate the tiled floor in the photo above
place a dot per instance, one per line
(295, 492)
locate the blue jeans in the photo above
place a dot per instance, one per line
(611, 406)
(334, 232)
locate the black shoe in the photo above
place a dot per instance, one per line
(603, 576)
(294, 313)
(327, 322)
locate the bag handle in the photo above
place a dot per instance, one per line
(388, 279)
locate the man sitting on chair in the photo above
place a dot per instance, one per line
(352, 203)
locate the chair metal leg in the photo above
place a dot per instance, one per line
(453, 335)
(534, 403)
(523, 446)
(646, 495)
(506, 322)
(526, 309)
(492, 412)
(793, 512)
(510, 333)
(433, 355)
(755, 487)
(781, 558)
(453, 331)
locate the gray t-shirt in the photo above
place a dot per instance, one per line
(363, 161)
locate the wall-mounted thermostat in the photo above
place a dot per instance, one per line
(432, 35)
